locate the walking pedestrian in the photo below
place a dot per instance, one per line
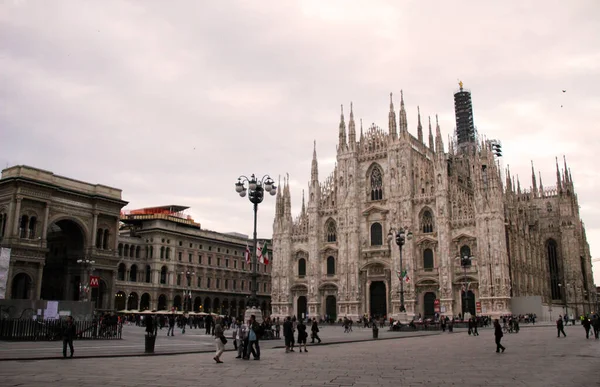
(171, 329)
(288, 334)
(314, 329)
(587, 325)
(560, 327)
(242, 339)
(498, 335)
(68, 335)
(254, 334)
(302, 335)
(220, 340)
(277, 328)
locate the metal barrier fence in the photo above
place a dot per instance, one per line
(48, 330)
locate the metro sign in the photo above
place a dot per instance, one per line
(94, 281)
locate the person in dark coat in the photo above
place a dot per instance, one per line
(288, 334)
(314, 329)
(68, 334)
(498, 335)
(560, 327)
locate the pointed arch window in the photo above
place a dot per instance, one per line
(330, 266)
(376, 234)
(376, 180)
(428, 259)
(331, 232)
(552, 255)
(301, 267)
(427, 222)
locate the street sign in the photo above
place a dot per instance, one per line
(436, 306)
(478, 307)
(94, 281)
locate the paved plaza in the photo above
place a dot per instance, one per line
(193, 341)
(534, 357)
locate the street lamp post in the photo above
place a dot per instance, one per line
(400, 235)
(187, 294)
(84, 285)
(256, 188)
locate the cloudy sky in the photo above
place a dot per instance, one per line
(172, 101)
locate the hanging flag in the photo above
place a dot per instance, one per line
(265, 254)
(247, 253)
(259, 256)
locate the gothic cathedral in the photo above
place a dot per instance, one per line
(479, 243)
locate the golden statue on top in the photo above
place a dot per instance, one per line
(460, 84)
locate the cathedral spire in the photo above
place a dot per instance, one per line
(287, 198)
(439, 144)
(392, 119)
(566, 171)
(430, 135)
(352, 130)
(342, 144)
(303, 206)
(419, 126)
(361, 131)
(278, 201)
(541, 184)
(533, 180)
(402, 116)
(509, 186)
(314, 171)
(558, 179)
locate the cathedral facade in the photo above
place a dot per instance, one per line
(526, 249)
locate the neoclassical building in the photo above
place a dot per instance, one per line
(168, 261)
(155, 258)
(527, 248)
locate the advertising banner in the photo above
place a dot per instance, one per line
(4, 264)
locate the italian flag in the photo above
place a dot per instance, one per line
(263, 254)
(403, 275)
(247, 253)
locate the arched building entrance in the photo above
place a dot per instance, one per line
(331, 308)
(120, 301)
(62, 275)
(378, 299)
(99, 295)
(429, 305)
(162, 302)
(21, 287)
(301, 307)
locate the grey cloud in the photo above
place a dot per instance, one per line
(122, 92)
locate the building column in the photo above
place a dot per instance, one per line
(45, 224)
(116, 239)
(112, 290)
(94, 230)
(40, 275)
(17, 218)
(9, 275)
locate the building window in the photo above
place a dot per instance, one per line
(218, 249)
(243, 265)
(162, 252)
(376, 234)
(330, 266)
(218, 283)
(376, 184)
(301, 267)
(179, 255)
(208, 283)
(243, 284)
(234, 284)
(178, 279)
(168, 253)
(331, 231)
(427, 222)
(120, 249)
(209, 248)
(218, 261)
(465, 251)
(226, 262)
(428, 259)
(180, 243)
(200, 259)
(190, 257)
(235, 264)
(265, 287)
(226, 284)
(209, 260)
(199, 283)
(148, 274)
(191, 245)
(552, 255)
(163, 275)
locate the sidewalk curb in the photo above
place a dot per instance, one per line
(201, 351)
